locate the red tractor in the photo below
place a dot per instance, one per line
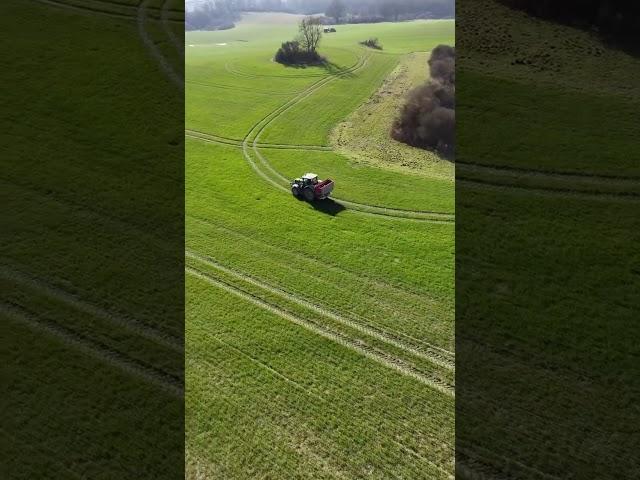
(310, 188)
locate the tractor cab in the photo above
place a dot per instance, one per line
(309, 179)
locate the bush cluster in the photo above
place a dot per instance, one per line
(372, 43)
(428, 119)
(291, 53)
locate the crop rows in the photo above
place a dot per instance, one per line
(307, 389)
(381, 306)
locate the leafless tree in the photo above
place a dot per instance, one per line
(310, 31)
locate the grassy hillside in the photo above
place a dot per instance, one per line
(547, 192)
(302, 318)
(93, 359)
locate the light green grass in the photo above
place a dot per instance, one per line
(299, 405)
(267, 397)
(361, 183)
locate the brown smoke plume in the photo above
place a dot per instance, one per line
(428, 119)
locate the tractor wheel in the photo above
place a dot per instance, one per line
(295, 191)
(308, 194)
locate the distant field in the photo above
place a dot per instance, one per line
(547, 182)
(87, 341)
(319, 337)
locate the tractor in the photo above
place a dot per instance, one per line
(310, 188)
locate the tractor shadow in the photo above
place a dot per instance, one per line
(328, 206)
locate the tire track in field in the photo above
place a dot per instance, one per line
(98, 351)
(132, 325)
(580, 185)
(339, 338)
(432, 356)
(378, 211)
(162, 61)
(547, 192)
(235, 142)
(110, 9)
(98, 8)
(305, 93)
(386, 289)
(267, 367)
(166, 25)
(236, 88)
(127, 12)
(259, 127)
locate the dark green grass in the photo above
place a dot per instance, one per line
(553, 129)
(549, 328)
(89, 212)
(546, 306)
(62, 413)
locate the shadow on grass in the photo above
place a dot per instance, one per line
(330, 67)
(328, 206)
(335, 69)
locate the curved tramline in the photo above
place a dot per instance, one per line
(315, 335)
(139, 13)
(282, 182)
(581, 185)
(357, 345)
(118, 9)
(92, 348)
(432, 354)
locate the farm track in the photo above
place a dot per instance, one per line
(582, 185)
(432, 355)
(114, 9)
(257, 129)
(132, 325)
(235, 142)
(138, 13)
(358, 346)
(166, 25)
(385, 289)
(98, 351)
(241, 89)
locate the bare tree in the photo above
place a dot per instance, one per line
(310, 30)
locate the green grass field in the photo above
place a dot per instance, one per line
(547, 227)
(93, 367)
(319, 336)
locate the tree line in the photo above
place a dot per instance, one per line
(618, 19)
(219, 14)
